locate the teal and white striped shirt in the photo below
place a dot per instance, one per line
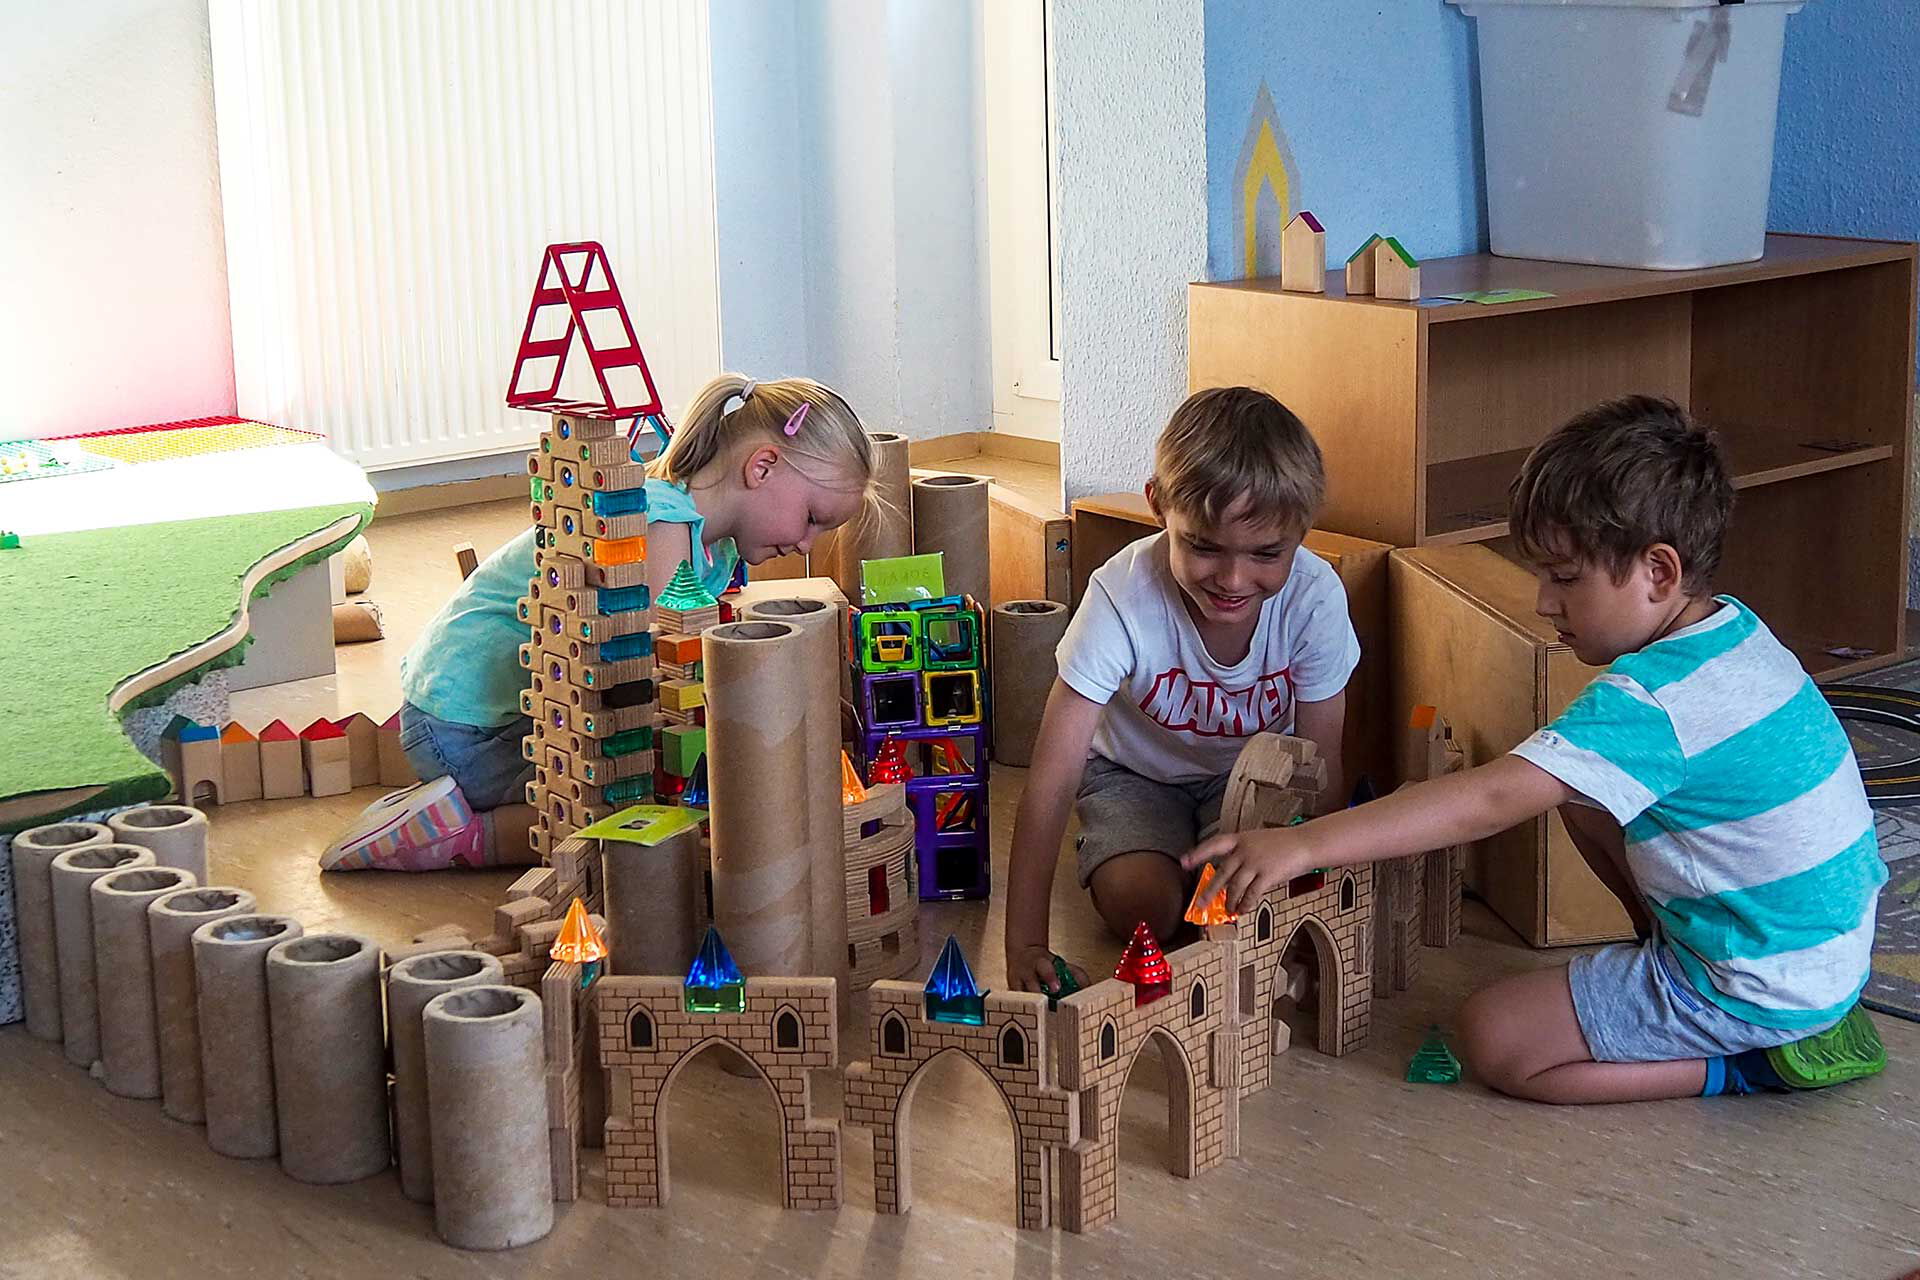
(1747, 828)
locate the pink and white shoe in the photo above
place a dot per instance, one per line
(426, 827)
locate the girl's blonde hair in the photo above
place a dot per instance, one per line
(830, 447)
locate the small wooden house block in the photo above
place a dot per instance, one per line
(197, 776)
(329, 760)
(395, 769)
(239, 764)
(1396, 273)
(1303, 254)
(1360, 269)
(282, 775)
(363, 748)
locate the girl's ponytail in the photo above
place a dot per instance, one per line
(697, 437)
(828, 443)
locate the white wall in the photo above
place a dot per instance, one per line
(851, 206)
(112, 264)
(1131, 130)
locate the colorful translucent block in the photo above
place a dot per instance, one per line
(628, 790)
(621, 744)
(620, 599)
(1209, 905)
(1065, 984)
(617, 502)
(886, 640)
(714, 983)
(952, 995)
(578, 942)
(1145, 966)
(952, 639)
(1433, 1062)
(620, 648)
(685, 591)
(613, 551)
(950, 697)
(852, 790)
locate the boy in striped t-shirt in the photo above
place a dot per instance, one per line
(1702, 776)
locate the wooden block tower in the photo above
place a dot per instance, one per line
(591, 688)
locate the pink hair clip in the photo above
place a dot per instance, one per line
(799, 416)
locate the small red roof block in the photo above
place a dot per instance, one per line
(346, 722)
(322, 728)
(392, 722)
(278, 732)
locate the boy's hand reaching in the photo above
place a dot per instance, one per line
(1249, 864)
(1031, 969)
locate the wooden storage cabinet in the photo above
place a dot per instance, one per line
(1466, 640)
(1803, 361)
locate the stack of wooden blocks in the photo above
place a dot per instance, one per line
(591, 692)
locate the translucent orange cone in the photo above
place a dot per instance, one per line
(852, 790)
(578, 942)
(1205, 910)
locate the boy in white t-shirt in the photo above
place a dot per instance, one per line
(1186, 644)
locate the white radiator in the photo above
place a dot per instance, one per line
(391, 173)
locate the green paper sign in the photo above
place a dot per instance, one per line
(1494, 297)
(903, 579)
(646, 824)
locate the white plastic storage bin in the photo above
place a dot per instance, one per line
(1629, 133)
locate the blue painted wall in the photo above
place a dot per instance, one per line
(1380, 105)
(1846, 158)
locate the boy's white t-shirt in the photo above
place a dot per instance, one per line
(1173, 713)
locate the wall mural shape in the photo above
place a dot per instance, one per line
(1266, 168)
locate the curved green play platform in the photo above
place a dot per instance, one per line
(94, 623)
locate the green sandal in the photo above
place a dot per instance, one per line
(1848, 1050)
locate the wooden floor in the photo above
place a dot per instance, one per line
(1346, 1170)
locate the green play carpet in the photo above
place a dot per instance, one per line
(81, 612)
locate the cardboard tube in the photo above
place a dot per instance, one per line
(33, 855)
(176, 834)
(950, 516)
(493, 1182)
(756, 678)
(819, 625)
(411, 984)
(123, 969)
(171, 921)
(653, 902)
(236, 1050)
(329, 1057)
(887, 529)
(74, 872)
(1025, 635)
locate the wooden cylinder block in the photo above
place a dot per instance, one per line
(172, 920)
(236, 1046)
(950, 516)
(74, 872)
(1025, 635)
(123, 970)
(756, 678)
(819, 624)
(653, 902)
(33, 855)
(329, 1057)
(411, 984)
(176, 833)
(492, 1183)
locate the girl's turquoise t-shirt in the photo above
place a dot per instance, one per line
(465, 667)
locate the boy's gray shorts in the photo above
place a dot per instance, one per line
(1635, 1005)
(1120, 811)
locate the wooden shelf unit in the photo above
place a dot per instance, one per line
(1802, 360)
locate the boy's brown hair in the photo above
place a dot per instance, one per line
(1618, 479)
(1232, 444)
